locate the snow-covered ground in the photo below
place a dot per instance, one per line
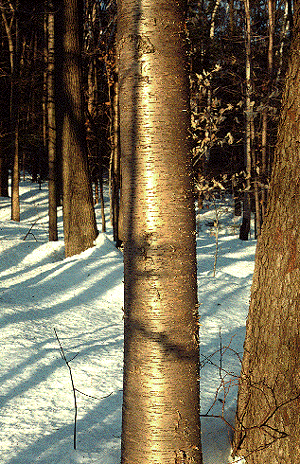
(82, 298)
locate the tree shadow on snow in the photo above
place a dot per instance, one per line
(98, 435)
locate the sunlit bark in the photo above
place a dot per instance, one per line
(268, 421)
(51, 126)
(161, 353)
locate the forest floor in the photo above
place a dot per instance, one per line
(82, 299)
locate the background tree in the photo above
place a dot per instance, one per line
(21, 73)
(221, 40)
(10, 13)
(80, 228)
(268, 421)
(161, 353)
(51, 120)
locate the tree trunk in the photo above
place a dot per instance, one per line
(115, 164)
(268, 420)
(15, 123)
(160, 422)
(245, 227)
(103, 222)
(264, 137)
(3, 174)
(213, 20)
(15, 197)
(51, 125)
(12, 33)
(284, 36)
(79, 217)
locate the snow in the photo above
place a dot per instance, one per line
(82, 299)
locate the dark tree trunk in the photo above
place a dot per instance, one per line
(268, 420)
(15, 197)
(115, 164)
(249, 125)
(3, 175)
(102, 201)
(79, 217)
(246, 219)
(161, 353)
(10, 21)
(15, 124)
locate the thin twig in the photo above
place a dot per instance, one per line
(217, 223)
(67, 362)
(72, 382)
(221, 353)
(29, 231)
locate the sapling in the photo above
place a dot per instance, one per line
(74, 389)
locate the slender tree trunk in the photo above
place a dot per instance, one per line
(285, 30)
(160, 421)
(4, 159)
(264, 141)
(3, 175)
(264, 154)
(232, 23)
(15, 124)
(51, 125)
(115, 164)
(268, 420)
(213, 19)
(102, 201)
(12, 33)
(245, 227)
(15, 197)
(45, 84)
(79, 217)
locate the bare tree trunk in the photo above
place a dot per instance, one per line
(232, 24)
(15, 197)
(14, 121)
(115, 164)
(264, 154)
(102, 201)
(80, 228)
(286, 28)
(245, 227)
(160, 422)
(268, 420)
(45, 83)
(3, 175)
(264, 141)
(51, 125)
(9, 17)
(213, 19)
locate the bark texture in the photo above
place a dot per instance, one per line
(79, 216)
(161, 360)
(115, 165)
(249, 125)
(53, 235)
(268, 420)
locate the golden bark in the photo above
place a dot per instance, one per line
(161, 353)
